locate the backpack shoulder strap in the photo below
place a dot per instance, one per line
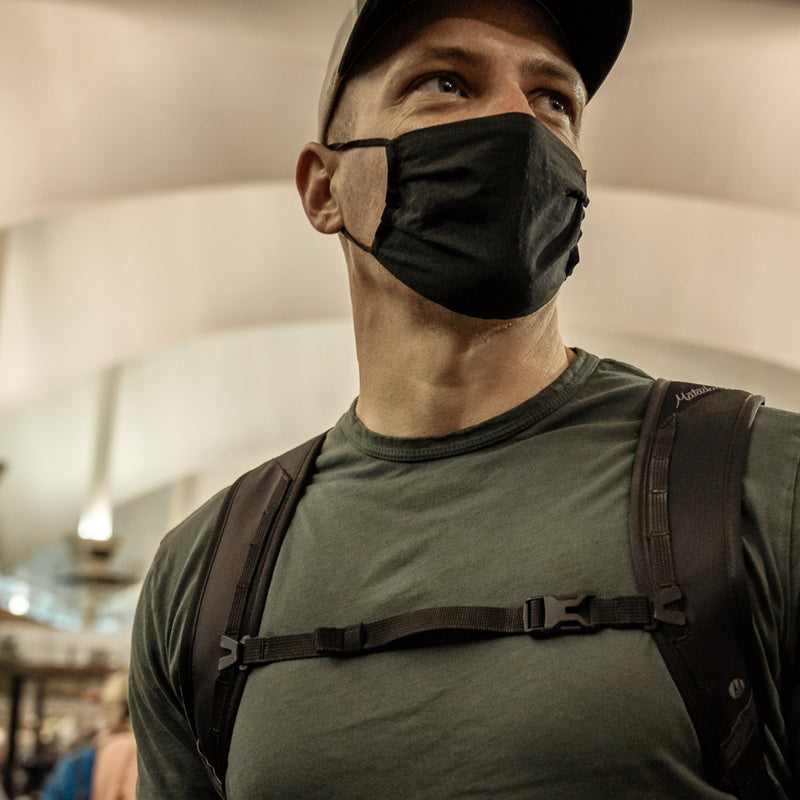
(687, 550)
(248, 533)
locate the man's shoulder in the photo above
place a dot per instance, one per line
(191, 534)
(176, 566)
(774, 457)
(777, 421)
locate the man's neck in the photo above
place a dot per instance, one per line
(430, 380)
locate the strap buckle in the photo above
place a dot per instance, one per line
(560, 614)
(661, 599)
(234, 649)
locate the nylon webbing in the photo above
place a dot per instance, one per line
(238, 606)
(662, 563)
(542, 616)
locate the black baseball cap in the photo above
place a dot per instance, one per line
(594, 30)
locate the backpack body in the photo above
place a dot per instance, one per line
(685, 518)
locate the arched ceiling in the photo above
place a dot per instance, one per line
(148, 220)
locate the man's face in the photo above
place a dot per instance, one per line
(447, 61)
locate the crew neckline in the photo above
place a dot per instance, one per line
(475, 437)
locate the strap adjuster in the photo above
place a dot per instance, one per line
(235, 652)
(347, 641)
(558, 613)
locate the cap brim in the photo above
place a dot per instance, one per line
(595, 32)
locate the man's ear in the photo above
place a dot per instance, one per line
(315, 167)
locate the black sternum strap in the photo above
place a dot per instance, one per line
(545, 615)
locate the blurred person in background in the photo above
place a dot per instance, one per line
(114, 774)
(71, 778)
(106, 768)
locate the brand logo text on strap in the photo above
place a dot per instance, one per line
(687, 397)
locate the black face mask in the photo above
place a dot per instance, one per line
(482, 216)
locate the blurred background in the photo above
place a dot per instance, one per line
(168, 319)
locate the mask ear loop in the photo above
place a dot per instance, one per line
(347, 235)
(355, 143)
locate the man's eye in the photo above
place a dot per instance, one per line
(559, 104)
(440, 84)
(552, 105)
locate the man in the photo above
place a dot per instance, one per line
(483, 461)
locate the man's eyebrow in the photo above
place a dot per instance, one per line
(438, 52)
(536, 66)
(557, 70)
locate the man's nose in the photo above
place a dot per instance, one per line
(509, 97)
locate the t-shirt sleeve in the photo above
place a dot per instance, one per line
(792, 636)
(772, 556)
(169, 765)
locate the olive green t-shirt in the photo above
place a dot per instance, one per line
(532, 502)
